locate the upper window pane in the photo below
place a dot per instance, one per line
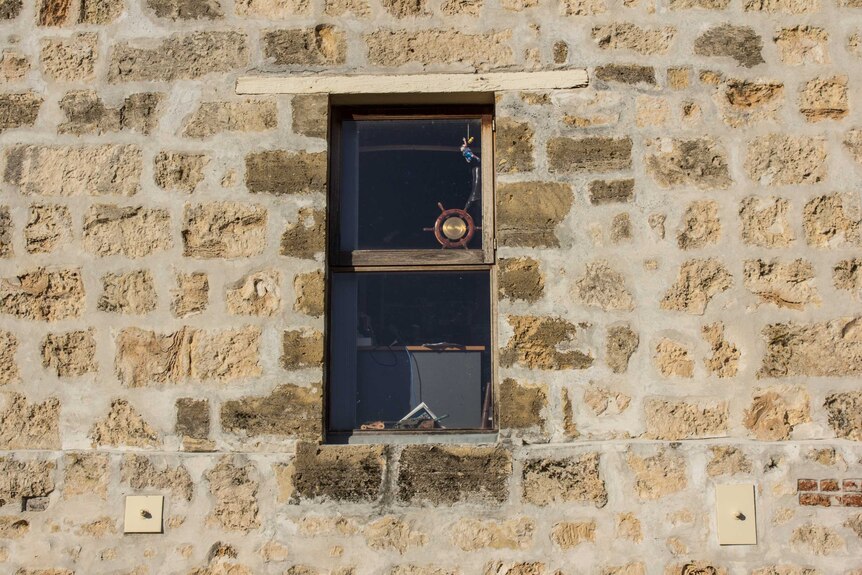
(397, 174)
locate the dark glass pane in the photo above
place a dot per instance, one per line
(403, 339)
(395, 175)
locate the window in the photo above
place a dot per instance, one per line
(410, 270)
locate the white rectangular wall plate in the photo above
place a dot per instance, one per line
(143, 514)
(735, 514)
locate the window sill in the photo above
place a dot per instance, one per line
(412, 438)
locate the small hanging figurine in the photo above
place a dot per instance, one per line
(467, 152)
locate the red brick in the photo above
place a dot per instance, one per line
(853, 485)
(829, 485)
(814, 499)
(852, 500)
(806, 485)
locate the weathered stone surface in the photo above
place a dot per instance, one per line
(13, 65)
(824, 99)
(658, 475)
(310, 293)
(621, 228)
(8, 366)
(26, 425)
(306, 237)
(181, 56)
(193, 418)
(672, 359)
(544, 343)
(570, 428)
(100, 11)
(143, 473)
(9, 9)
(358, 8)
(777, 159)
(845, 414)
(70, 354)
(816, 539)
(574, 479)
(854, 45)
(25, 478)
(223, 230)
(13, 527)
(604, 287)
(744, 102)
(698, 281)
(592, 154)
(289, 410)
(470, 534)
(785, 6)
(443, 475)
(131, 293)
(179, 171)
(570, 534)
(302, 349)
(70, 59)
(48, 227)
(521, 404)
(801, 45)
(461, 7)
(764, 222)
(86, 474)
(123, 426)
(133, 232)
(95, 170)
(701, 163)
(701, 4)
(338, 472)
(322, 45)
(258, 293)
(431, 47)
(52, 12)
(724, 361)
(19, 110)
(309, 113)
(741, 43)
(853, 144)
(832, 348)
(513, 146)
(673, 420)
(782, 284)
(390, 532)
(272, 9)
(611, 191)
(727, 460)
(700, 225)
(282, 172)
(520, 279)
(191, 295)
(621, 343)
(775, 411)
(186, 9)
(43, 294)
(248, 115)
(234, 485)
(832, 220)
(6, 229)
(577, 7)
(627, 36)
(626, 74)
(847, 275)
(86, 113)
(528, 213)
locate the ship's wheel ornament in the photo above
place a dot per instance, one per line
(454, 228)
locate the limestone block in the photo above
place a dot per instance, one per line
(764, 222)
(9, 9)
(832, 220)
(611, 191)
(224, 230)
(627, 36)
(658, 475)
(673, 420)
(155, 473)
(700, 162)
(71, 59)
(847, 275)
(309, 114)
(824, 98)
(698, 281)
(129, 293)
(775, 411)
(100, 11)
(212, 118)
(727, 460)
(302, 349)
(544, 343)
(322, 45)
(592, 154)
(604, 287)
(19, 110)
(741, 43)
(513, 146)
(133, 232)
(258, 293)
(234, 485)
(570, 534)
(338, 472)
(282, 172)
(86, 474)
(444, 475)
(577, 7)
(29, 425)
(724, 361)
(305, 237)
(778, 159)
(521, 404)
(801, 45)
(673, 359)
(48, 227)
(86, 113)
(186, 9)
(8, 366)
(191, 295)
(528, 213)
(25, 478)
(390, 532)
(626, 74)
(310, 293)
(816, 539)
(179, 171)
(43, 294)
(782, 284)
(70, 354)
(782, 6)
(845, 414)
(440, 46)
(831, 348)
(560, 480)
(471, 534)
(520, 279)
(123, 425)
(289, 410)
(273, 9)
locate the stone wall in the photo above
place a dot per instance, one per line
(679, 268)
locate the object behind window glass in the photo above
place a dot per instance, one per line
(398, 176)
(410, 350)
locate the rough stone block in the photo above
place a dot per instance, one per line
(289, 411)
(53, 12)
(537, 341)
(744, 102)
(521, 405)
(673, 359)
(306, 237)
(611, 191)
(133, 232)
(433, 47)
(94, 170)
(832, 221)
(847, 275)
(576, 7)
(592, 154)
(658, 475)
(782, 6)
(25, 425)
(248, 115)
(775, 411)
(831, 348)
(179, 171)
(570, 534)
(673, 420)
(443, 475)
(181, 56)
(281, 172)
(782, 284)
(19, 110)
(323, 45)
(100, 11)
(130, 293)
(302, 349)
(627, 36)
(193, 418)
(70, 354)
(573, 479)
(697, 282)
(224, 230)
(310, 293)
(626, 74)
(149, 473)
(48, 227)
(6, 230)
(123, 425)
(724, 361)
(622, 342)
(513, 146)
(8, 366)
(71, 59)
(845, 414)
(86, 474)
(21, 478)
(764, 222)
(528, 213)
(520, 279)
(350, 473)
(43, 294)
(741, 43)
(186, 9)
(9, 9)
(604, 287)
(727, 460)
(234, 484)
(700, 162)
(777, 159)
(824, 99)
(801, 45)
(273, 9)
(258, 293)
(86, 113)
(310, 114)
(191, 295)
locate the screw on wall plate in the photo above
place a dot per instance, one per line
(146, 514)
(741, 516)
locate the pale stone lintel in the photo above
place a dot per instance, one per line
(413, 83)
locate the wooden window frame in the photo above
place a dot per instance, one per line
(413, 260)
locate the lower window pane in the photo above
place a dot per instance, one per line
(410, 350)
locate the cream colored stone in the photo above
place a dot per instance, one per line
(471, 534)
(258, 293)
(604, 287)
(123, 426)
(28, 425)
(390, 532)
(568, 534)
(774, 412)
(658, 475)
